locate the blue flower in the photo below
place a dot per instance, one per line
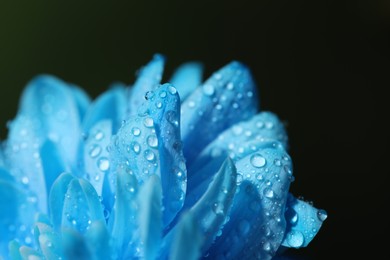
(174, 171)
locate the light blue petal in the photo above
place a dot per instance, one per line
(82, 99)
(81, 206)
(148, 79)
(14, 252)
(187, 242)
(50, 243)
(51, 102)
(75, 245)
(52, 163)
(303, 222)
(213, 207)
(150, 217)
(29, 253)
(98, 240)
(258, 210)
(111, 105)
(56, 198)
(95, 153)
(5, 175)
(149, 144)
(123, 220)
(226, 98)
(186, 78)
(261, 127)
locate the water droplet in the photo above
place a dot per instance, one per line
(322, 215)
(103, 164)
(295, 239)
(235, 105)
(291, 215)
(158, 104)
(208, 90)
(277, 162)
(218, 107)
(172, 117)
(269, 125)
(237, 130)
(268, 192)
(218, 208)
(95, 150)
(25, 180)
(249, 94)
(260, 124)
(163, 94)
(136, 131)
(99, 135)
(136, 147)
(257, 160)
(152, 141)
(149, 95)
(239, 178)
(230, 86)
(191, 104)
(172, 90)
(149, 155)
(267, 246)
(148, 122)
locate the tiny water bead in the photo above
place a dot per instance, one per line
(136, 147)
(136, 131)
(103, 164)
(295, 239)
(148, 122)
(99, 135)
(152, 141)
(172, 90)
(268, 192)
(257, 160)
(208, 90)
(322, 215)
(218, 208)
(149, 155)
(95, 150)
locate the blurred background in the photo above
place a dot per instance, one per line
(322, 66)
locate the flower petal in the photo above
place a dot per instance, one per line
(14, 252)
(98, 240)
(56, 198)
(187, 230)
(149, 143)
(49, 242)
(95, 154)
(150, 217)
(258, 210)
(225, 98)
(261, 127)
(29, 253)
(52, 163)
(75, 245)
(186, 78)
(81, 206)
(123, 219)
(303, 222)
(111, 105)
(149, 78)
(213, 207)
(82, 99)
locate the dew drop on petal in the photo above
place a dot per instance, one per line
(218, 208)
(172, 90)
(163, 94)
(277, 162)
(152, 141)
(95, 150)
(208, 90)
(322, 215)
(103, 164)
(149, 155)
(295, 238)
(267, 246)
(136, 147)
(136, 131)
(257, 160)
(191, 104)
(148, 122)
(268, 192)
(99, 135)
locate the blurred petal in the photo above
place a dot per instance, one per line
(52, 163)
(123, 220)
(303, 222)
(149, 78)
(99, 240)
(226, 98)
(149, 143)
(29, 253)
(111, 106)
(82, 99)
(95, 154)
(49, 242)
(257, 215)
(14, 252)
(186, 78)
(75, 245)
(187, 230)
(150, 217)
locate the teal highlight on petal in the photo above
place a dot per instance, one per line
(187, 78)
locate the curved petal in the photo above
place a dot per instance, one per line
(303, 222)
(187, 230)
(75, 245)
(186, 78)
(227, 97)
(149, 143)
(111, 105)
(14, 252)
(49, 241)
(123, 219)
(258, 209)
(95, 154)
(149, 78)
(150, 217)
(29, 253)
(264, 126)
(82, 99)
(98, 240)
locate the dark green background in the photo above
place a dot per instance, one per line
(322, 66)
